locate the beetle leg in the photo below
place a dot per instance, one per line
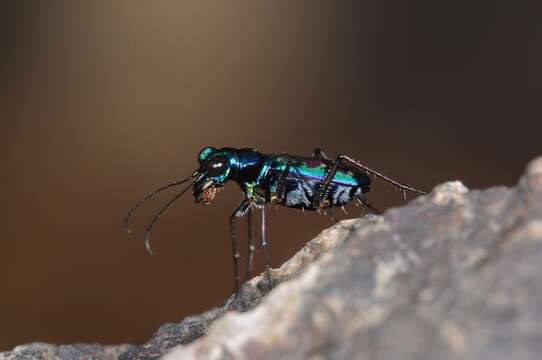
(320, 154)
(258, 201)
(264, 241)
(241, 211)
(278, 195)
(266, 251)
(331, 215)
(320, 200)
(370, 206)
(250, 260)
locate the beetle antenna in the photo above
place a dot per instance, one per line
(159, 214)
(150, 195)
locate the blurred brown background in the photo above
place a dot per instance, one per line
(104, 101)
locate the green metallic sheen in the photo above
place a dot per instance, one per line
(258, 173)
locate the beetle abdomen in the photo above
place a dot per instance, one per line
(304, 181)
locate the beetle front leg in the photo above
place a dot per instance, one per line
(264, 241)
(251, 248)
(259, 202)
(241, 211)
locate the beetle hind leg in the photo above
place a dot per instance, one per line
(362, 200)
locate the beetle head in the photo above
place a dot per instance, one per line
(215, 170)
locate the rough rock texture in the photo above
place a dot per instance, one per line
(171, 335)
(42, 351)
(452, 275)
(251, 293)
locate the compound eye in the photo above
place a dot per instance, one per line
(217, 166)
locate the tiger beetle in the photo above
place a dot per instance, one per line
(314, 183)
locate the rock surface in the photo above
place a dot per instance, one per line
(43, 351)
(251, 293)
(452, 275)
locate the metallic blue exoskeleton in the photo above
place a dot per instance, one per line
(308, 183)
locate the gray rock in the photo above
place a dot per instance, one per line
(43, 351)
(250, 295)
(451, 275)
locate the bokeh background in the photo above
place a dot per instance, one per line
(103, 101)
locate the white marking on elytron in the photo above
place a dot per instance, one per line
(340, 195)
(310, 184)
(296, 197)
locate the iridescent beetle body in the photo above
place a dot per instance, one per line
(304, 180)
(308, 183)
(288, 180)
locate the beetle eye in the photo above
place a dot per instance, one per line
(216, 166)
